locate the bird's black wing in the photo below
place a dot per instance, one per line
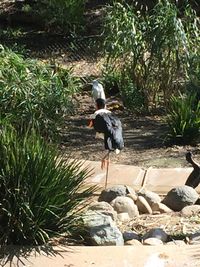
(111, 126)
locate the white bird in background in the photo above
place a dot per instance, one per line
(97, 90)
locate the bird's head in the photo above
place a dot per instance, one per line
(95, 83)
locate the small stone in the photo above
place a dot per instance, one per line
(162, 208)
(132, 196)
(123, 217)
(143, 205)
(125, 204)
(156, 233)
(150, 197)
(129, 235)
(197, 202)
(156, 212)
(152, 241)
(133, 242)
(109, 194)
(176, 242)
(191, 210)
(130, 190)
(194, 239)
(104, 208)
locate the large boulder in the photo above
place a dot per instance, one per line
(109, 194)
(180, 197)
(102, 230)
(125, 205)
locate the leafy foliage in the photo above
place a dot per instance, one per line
(183, 119)
(33, 93)
(66, 14)
(40, 191)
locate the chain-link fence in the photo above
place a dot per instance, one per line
(83, 54)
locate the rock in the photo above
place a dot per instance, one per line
(123, 217)
(152, 241)
(176, 242)
(125, 204)
(156, 212)
(132, 196)
(143, 205)
(197, 202)
(131, 191)
(191, 210)
(194, 239)
(150, 197)
(109, 194)
(102, 230)
(104, 208)
(133, 242)
(129, 235)
(158, 233)
(162, 208)
(179, 197)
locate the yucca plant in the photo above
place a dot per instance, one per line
(183, 119)
(40, 191)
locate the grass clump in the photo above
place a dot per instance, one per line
(183, 119)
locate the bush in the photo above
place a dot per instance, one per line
(132, 96)
(34, 93)
(111, 80)
(40, 191)
(183, 119)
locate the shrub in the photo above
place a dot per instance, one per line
(152, 48)
(34, 93)
(40, 191)
(65, 14)
(111, 80)
(183, 119)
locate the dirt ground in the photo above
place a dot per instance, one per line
(143, 137)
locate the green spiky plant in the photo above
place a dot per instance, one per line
(183, 119)
(40, 191)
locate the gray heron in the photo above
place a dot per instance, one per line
(97, 91)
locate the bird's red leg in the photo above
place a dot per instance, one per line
(108, 162)
(105, 160)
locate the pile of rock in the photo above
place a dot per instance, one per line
(120, 204)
